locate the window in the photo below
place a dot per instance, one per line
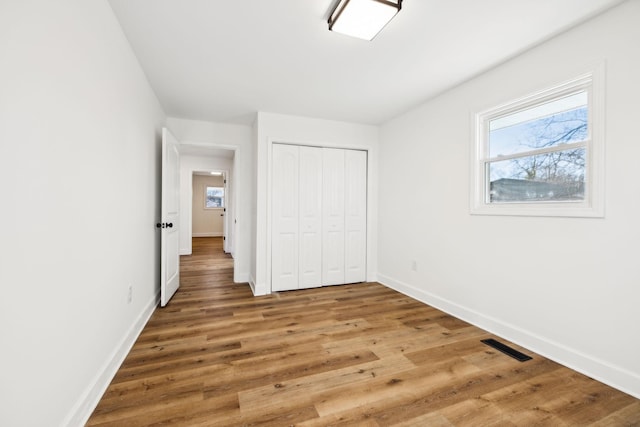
(214, 197)
(542, 155)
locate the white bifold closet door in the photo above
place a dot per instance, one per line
(310, 190)
(355, 216)
(319, 217)
(286, 222)
(333, 216)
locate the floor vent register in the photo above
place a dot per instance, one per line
(507, 350)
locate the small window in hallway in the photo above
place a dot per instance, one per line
(214, 197)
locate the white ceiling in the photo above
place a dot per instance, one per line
(224, 60)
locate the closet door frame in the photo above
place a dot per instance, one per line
(269, 195)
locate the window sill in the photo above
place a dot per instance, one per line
(572, 210)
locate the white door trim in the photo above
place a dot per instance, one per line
(232, 178)
(371, 200)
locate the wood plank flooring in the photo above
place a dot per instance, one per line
(355, 355)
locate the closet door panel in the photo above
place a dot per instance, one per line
(333, 191)
(285, 214)
(355, 216)
(310, 173)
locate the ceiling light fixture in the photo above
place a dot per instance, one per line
(363, 19)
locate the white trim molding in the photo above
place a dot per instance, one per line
(600, 370)
(85, 405)
(371, 260)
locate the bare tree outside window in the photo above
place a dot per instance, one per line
(544, 154)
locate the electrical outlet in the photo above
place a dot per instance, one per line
(130, 294)
(414, 265)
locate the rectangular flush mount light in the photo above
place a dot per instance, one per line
(363, 18)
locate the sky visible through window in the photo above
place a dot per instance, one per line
(552, 130)
(528, 174)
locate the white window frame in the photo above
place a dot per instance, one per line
(593, 204)
(223, 201)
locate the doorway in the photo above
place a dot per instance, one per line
(197, 164)
(209, 204)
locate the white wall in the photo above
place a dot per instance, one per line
(270, 128)
(79, 169)
(188, 165)
(226, 136)
(564, 287)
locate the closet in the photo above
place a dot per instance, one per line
(319, 217)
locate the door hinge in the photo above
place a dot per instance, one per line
(224, 237)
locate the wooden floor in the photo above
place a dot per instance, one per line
(356, 355)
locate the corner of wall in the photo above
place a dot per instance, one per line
(600, 370)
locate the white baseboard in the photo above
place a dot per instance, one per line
(83, 409)
(185, 251)
(260, 289)
(252, 284)
(256, 288)
(211, 234)
(600, 370)
(239, 277)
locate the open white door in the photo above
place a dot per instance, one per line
(170, 244)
